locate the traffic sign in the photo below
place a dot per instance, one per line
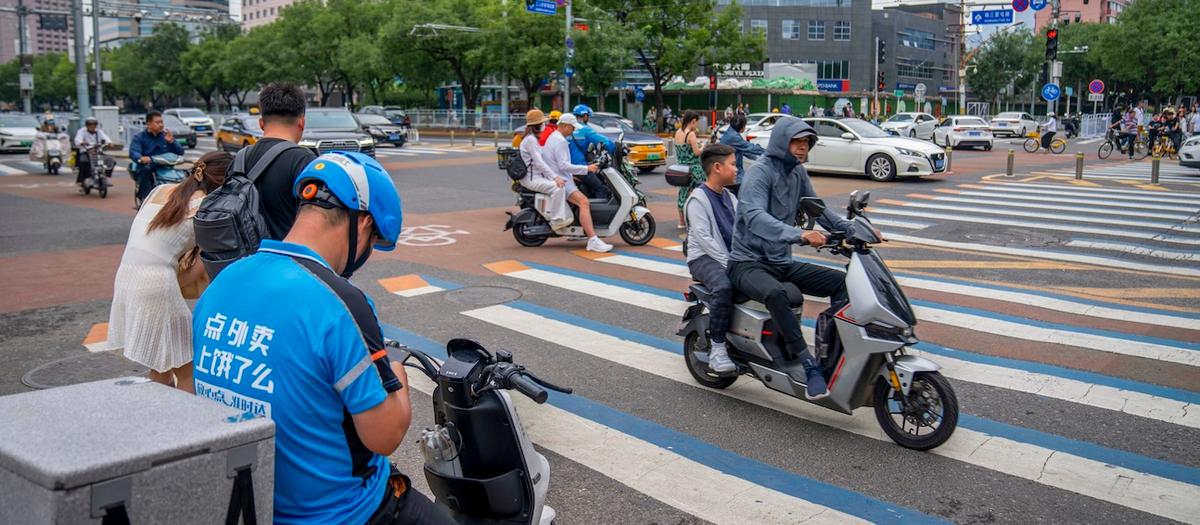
(1096, 86)
(570, 71)
(639, 94)
(1050, 92)
(1095, 97)
(919, 90)
(899, 93)
(1020, 5)
(1069, 90)
(1037, 5)
(998, 16)
(544, 7)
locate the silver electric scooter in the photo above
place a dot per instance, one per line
(861, 344)
(479, 462)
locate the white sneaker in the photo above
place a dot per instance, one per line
(597, 245)
(718, 360)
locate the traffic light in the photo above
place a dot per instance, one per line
(1051, 43)
(882, 51)
(882, 84)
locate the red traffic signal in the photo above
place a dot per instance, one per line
(1051, 33)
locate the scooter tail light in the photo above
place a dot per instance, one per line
(767, 333)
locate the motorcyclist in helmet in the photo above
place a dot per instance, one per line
(760, 260)
(286, 335)
(584, 137)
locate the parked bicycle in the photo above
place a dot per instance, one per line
(1034, 143)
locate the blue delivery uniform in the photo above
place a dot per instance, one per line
(270, 336)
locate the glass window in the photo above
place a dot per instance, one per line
(910, 70)
(826, 128)
(916, 38)
(841, 31)
(816, 30)
(758, 25)
(791, 30)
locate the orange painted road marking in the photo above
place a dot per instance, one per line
(662, 243)
(591, 255)
(97, 338)
(506, 267)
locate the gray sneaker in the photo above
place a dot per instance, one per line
(719, 362)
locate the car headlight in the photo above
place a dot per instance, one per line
(911, 153)
(375, 131)
(1191, 142)
(307, 143)
(366, 141)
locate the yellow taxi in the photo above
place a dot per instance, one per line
(238, 131)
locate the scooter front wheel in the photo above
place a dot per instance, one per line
(698, 368)
(922, 420)
(638, 233)
(102, 187)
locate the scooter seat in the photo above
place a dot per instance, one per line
(795, 298)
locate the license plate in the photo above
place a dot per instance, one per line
(27, 143)
(393, 136)
(937, 164)
(201, 128)
(653, 156)
(974, 133)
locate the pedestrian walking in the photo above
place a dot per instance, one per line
(687, 152)
(150, 321)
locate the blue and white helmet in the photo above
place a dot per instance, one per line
(361, 184)
(581, 110)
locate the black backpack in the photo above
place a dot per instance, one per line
(516, 167)
(229, 224)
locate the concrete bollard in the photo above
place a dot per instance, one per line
(472, 138)
(949, 155)
(451, 137)
(1154, 169)
(495, 139)
(1079, 166)
(1011, 156)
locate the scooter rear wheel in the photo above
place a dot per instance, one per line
(525, 240)
(930, 417)
(699, 369)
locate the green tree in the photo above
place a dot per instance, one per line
(310, 59)
(673, 36)
(449, 32)
(528, 46)
(202, 69)
(1147, 50)
(10, 89)
(602, 56)
(1011, 58)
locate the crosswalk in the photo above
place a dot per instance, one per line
(1169, 171)
(1150, 485)
(1136, 225)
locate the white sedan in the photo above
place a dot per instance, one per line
(963, 131)
(195, 119)
(17, 132)
(912, 125)
(1015, 123)
(855, 146)
(1189, 153)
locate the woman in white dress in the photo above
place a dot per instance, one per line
(150, 321)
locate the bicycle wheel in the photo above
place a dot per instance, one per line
(1141, 150)
(1032, 145)
(1058, 146)
(1105, 150)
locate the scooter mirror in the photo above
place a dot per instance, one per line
(812, 206)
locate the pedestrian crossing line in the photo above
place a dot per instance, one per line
(679, 470)
(1135, 249)
(413, 285)
(1177, 197)
(1179, 216)
(1142, 178)
(995, 265)
(1189, 293)
(1150, 224)
(1134, 345)
(1153, 486)
(892, 223)
(97, 338)
(1034, 298)
(1055, 226)
(1186, 210)
(9, 170)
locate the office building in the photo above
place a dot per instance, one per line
(921, 47)
(193, 15)
(40, 40)
(261, 12)
(1088, 11)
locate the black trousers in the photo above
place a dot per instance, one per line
(591, 186)
(144, 179)
(409, 508)
(764, 283)
(714, 277)
(83, 168)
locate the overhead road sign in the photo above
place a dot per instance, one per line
(997, 16)
(543, 7)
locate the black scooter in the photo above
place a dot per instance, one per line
(479, 462)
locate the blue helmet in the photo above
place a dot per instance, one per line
(581, 110)
(360, 183)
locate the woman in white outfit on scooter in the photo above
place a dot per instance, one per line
(556, 158)
(539, 177)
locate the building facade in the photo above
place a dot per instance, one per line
(921, 44)
(1094, 11)
(261, 12)
(40, 41)
(193, 15)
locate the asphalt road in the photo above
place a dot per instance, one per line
(1066, 315)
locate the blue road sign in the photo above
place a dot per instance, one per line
(1020, 5)
(1038, 5)
(998, 16)
(1096, 86)
(570, 71)
(544, 7)
(639, 94)
(1050, 92)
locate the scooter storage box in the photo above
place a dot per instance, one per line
(678, 175)
(131, 448)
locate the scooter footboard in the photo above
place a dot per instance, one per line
(503, 495)
(907, 366)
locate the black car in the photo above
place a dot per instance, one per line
(334, 129)
(383, 130)
(393, 114)
(184, 133)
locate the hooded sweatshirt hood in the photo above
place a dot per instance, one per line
(781, 137)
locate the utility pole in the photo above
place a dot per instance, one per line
(504, 74)
(1055, 65)
(875, 80)
(26, 67)
(96, 51)
(567, 78)
(958, 51)
(81, 81)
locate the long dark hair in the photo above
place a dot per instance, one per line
(688, 117)
(533, 130)
(207, 175)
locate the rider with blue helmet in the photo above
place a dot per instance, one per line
(579, 141)
(284, 334)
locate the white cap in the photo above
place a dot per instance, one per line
(568, 119)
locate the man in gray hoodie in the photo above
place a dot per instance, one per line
(761, 258)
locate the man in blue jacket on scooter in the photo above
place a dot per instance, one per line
(579, 141)
(761, 257)
(154, 140)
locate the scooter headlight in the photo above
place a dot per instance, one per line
(885, 332)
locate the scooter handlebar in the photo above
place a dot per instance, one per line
(523, 384)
